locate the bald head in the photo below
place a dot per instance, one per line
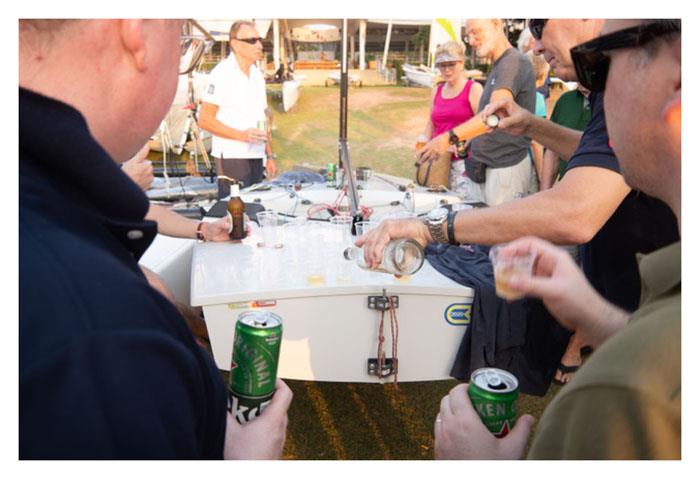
(120, 74)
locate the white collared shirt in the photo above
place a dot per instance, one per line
(242, 102)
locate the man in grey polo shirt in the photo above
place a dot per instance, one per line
(509, 173)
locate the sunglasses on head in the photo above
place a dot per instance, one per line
(592, 61)
(536, 26)
(250, 41)
(446, 64)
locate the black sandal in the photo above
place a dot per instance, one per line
(564, 369)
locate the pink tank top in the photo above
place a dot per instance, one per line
(447, 114)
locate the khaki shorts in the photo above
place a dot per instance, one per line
(501, 185)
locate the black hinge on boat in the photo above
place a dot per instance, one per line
(388, 367)
(382, 303)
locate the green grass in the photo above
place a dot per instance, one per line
(372, 421)
(382, 125)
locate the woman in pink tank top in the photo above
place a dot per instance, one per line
(455, 100)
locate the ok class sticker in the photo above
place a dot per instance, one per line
(459, 314)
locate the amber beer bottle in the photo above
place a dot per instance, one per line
(236, 214)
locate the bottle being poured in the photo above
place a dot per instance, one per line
(401, 257)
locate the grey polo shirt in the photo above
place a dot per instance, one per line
(512, 71)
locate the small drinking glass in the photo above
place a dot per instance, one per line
(507, 264)
(269, 226)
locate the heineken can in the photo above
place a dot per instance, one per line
(256, 350)
(330, 174)
(494, 394)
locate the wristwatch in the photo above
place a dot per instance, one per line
(434, 221)
(454, 139)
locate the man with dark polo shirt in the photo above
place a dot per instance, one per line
(107, 367)
(592, 205)
(509, 171)
(625, 403)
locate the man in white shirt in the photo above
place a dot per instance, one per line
(233, 109)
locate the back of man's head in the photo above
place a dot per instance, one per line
(121, 75)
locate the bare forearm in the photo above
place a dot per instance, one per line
(550, 166)
(606, 320)
(537, 158)
(171, 223)
(538, 215)
(571, 212)
(217, 128)
(563, 141)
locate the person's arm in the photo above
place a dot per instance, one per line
(139, 169)
(475, 96)
(175, 225)
(519, 121)
(571, 212)
(550, 167)
(441, 143)
(537, 159)
(264, 437)
(209, 122)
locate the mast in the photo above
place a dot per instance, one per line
(343, 153)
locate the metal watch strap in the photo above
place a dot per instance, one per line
(454, 139)
(436, 231)
(451, 227)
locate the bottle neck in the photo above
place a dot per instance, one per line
(235, 191)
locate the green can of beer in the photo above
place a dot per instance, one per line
(256, 350)
(330, 174)
(494, 394)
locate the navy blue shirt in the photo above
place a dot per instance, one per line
(641, 224)
(107, 366)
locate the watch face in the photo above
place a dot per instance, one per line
(437, 214)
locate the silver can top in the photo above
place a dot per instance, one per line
(494, 380)
(260, 319)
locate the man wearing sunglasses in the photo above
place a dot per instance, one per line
(625, 403)
(234, 106)
(108, 368)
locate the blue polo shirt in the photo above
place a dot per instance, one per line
(108, 368)
(641, 224)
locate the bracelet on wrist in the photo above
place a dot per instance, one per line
(200, 232)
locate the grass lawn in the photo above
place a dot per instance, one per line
(363, 421)
(382, 125)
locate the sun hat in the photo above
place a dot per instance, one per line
(449, 52)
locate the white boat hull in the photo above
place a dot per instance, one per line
(419, 77)
(290, 94)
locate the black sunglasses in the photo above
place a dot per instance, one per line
(250, 41)
(592, 62)
(536, 25)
